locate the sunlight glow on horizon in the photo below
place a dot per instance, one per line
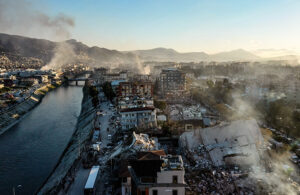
(186, 26)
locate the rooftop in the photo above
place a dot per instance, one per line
(172, 162)
(137, 109)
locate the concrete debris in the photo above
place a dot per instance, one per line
(144, 143)
(140, 142)
(181, 112)
(234, 143)
(217, 181)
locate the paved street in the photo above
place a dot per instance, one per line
(77, 188)
(82, 174)
(104, 120)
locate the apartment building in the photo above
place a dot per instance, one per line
(172, 79)
(143, 117)
(131, 89)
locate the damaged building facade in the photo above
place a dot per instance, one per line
(164, 175)
(131, 89)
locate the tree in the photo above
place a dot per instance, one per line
(93, 92)
(160, 104)
(108, 91)
(210, 83)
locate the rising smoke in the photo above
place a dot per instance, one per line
(140, 66)
(21, 17)
(280, 179)
(63, 54)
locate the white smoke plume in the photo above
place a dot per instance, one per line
(281, 178)
(140, 66)
(24, 17)
(64, 54)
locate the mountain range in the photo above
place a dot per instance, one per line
(45, 49)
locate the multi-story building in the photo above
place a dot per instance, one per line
(132, 89)
(157, 176)
(172, 79)
(144, 117)
(135, 103)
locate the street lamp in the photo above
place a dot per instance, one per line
(18, 187)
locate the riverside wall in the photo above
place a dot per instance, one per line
(62, 174)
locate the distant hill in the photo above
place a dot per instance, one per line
(26, 47)
(235, 55)
(44, 50)
(162, 54)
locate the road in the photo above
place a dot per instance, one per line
(77, 188)
(82, 174)
(105, 123)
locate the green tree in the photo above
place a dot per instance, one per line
(160, 104)
(108, 91)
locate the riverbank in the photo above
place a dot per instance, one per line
(61, 175)
(17, 113)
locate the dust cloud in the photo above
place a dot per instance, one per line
(21, 17)
(64, 54)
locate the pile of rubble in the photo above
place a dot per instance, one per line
(144, 143)
(140, 142)
(217, 181)
(198, 157)
(181, 112)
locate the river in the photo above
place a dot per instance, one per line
(31, 148)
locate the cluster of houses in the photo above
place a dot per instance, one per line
(134, 94)
(135, 104)
(20, 84)
(27, 78)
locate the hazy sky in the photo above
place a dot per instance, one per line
(184, 25)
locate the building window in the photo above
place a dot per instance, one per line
(175, 179)
(174, 192)
(154, 192)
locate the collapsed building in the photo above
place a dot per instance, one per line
(217, 158)
(190, 117)
(235, 143)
